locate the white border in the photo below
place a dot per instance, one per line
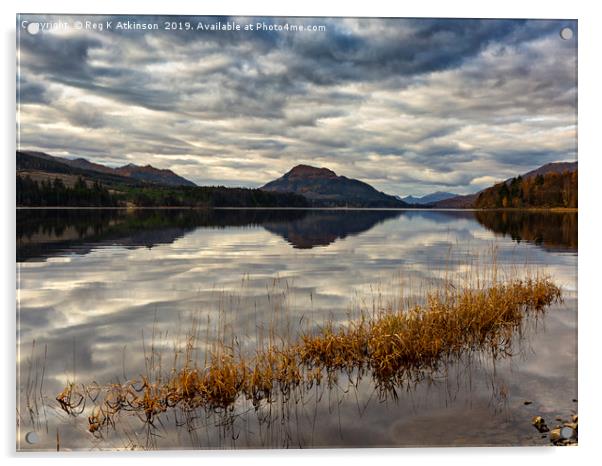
(590, 152)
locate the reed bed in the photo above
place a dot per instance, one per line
(393, 346)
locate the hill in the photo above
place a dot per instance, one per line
(550, 190)
(554, 167)
(324, 188)
(556, 187)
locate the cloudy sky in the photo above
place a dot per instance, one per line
(409, 105)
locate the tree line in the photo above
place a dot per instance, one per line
(546, 191)
(47, 193)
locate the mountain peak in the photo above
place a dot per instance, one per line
(307, 171)
(324, 188)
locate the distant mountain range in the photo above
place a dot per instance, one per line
(324, 188)
(32, 160)
(429, 198)
(302, 186)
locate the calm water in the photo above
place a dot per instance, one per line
(97, 288)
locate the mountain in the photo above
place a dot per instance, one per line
(488, 197)
(324, 188)
(429, 198)
(148, 173)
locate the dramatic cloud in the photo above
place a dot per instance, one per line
(409, 105)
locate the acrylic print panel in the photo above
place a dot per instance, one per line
(295, 232)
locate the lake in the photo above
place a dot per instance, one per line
(101, 292)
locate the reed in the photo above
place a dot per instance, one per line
(394, 345)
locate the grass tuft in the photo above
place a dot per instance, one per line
(393, 346)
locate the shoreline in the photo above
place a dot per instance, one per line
(435, 209)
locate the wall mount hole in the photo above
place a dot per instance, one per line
(566, 33)
(33, 28)
(31, 438)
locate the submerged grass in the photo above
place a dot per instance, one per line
(394, 345)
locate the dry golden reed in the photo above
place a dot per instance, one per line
(392, 346)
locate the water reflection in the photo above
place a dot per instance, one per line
(554, 231)
(321, 228)
(47, 233)
(92, 284)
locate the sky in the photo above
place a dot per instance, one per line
(410, 106)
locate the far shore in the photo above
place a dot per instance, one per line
(436, 209)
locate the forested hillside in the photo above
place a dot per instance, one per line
(546, 191)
